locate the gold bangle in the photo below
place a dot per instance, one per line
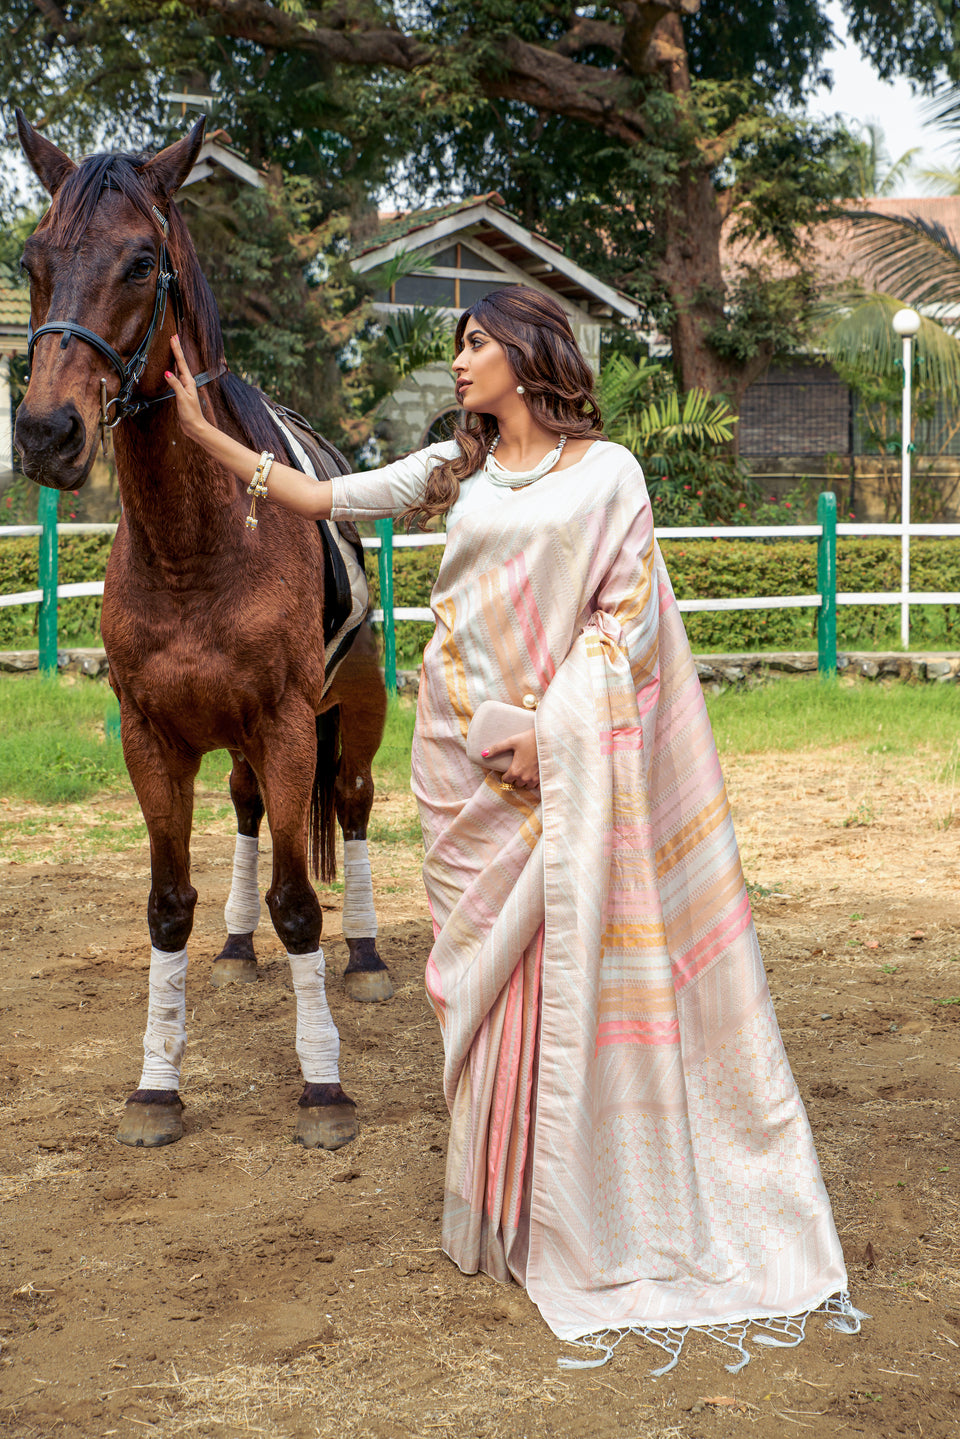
(258, 486)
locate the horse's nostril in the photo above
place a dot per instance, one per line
(74, 438)
(58, 433)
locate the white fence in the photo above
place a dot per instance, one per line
(824, 599)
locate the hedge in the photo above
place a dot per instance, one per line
(719, 569)
(80, 557)
(707, 568)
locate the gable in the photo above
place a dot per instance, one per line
(476, 246)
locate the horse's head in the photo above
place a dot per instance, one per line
(94, 263)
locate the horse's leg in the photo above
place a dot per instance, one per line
(237, 960)
(163, 779)
(286, 762)
(363, 710)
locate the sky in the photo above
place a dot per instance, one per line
(859, 94)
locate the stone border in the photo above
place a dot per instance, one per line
(721, 671)
(716, 671)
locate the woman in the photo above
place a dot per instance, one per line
(626, 1140)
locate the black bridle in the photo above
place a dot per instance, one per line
(124, 404)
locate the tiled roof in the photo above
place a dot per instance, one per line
(14, 306)
(836, 252)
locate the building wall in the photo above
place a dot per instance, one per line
(796, 410)
(407, 414)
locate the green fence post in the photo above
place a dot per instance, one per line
(827, 584)
(385, 564)
(47, 504)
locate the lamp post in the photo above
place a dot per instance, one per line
(906, 323)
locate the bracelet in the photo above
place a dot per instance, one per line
(257, 487)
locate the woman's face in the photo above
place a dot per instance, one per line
(482, 371)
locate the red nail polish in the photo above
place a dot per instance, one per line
(484, 753)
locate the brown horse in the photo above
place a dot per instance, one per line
(214, 631)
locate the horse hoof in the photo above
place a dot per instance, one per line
(326, 1127)
(147, 1126)
(233, 971)
(369, 986)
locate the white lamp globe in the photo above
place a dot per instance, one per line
(906, 322)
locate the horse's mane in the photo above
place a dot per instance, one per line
(69, 216)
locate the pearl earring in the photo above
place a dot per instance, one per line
(521, 390)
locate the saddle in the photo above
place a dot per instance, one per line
(345, 593)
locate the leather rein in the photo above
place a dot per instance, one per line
(125, 404)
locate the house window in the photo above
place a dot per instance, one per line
(441, 427)
(424, 290)
(473, 290)
(470, 260)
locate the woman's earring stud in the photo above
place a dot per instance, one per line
(521, 390)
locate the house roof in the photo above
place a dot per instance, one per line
(523, 254)
(14, 314)
(837, 252)
(216, 153)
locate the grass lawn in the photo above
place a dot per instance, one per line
(56, 746)
(868, 718)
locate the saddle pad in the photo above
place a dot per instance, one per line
(346, 597)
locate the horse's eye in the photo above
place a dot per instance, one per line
(141, 269)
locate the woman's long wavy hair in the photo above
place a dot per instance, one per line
(545, 359)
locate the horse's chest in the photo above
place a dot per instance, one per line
(189, 656)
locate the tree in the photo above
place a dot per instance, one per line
(297, 320)
(644, 131)
(865, 167)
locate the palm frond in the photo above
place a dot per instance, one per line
(913, 258)
(942, 180)
(623, 386)
(944, 109)
(897, 171)
(862, 335)
(419, 336)
(665, 424)
(403, 263)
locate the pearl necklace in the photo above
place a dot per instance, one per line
(513, 480)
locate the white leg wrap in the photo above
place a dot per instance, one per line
(242, 909)
(166, 1037)
(359, 915)
(318, 1043)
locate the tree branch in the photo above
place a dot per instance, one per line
(58, 22)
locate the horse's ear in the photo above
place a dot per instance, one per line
(50, 165)
(167, 171)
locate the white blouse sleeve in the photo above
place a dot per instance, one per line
(374, 494)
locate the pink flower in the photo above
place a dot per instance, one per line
(787, 505)
(742, 506)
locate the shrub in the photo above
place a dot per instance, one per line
(698, 568)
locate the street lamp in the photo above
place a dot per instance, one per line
(906, 323)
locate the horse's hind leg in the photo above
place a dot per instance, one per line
(163, 781)
(237, 961)
(363, 709)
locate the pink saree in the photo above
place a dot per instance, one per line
(627, 1140)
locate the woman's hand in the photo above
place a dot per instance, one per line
(289, 487)
(524, 771)
(192, 420)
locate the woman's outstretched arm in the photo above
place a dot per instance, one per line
(289, 487)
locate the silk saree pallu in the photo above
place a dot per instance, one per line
(627, 1140)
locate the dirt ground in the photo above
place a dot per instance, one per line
(235, 1284)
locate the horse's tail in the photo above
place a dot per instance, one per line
(323, 809)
